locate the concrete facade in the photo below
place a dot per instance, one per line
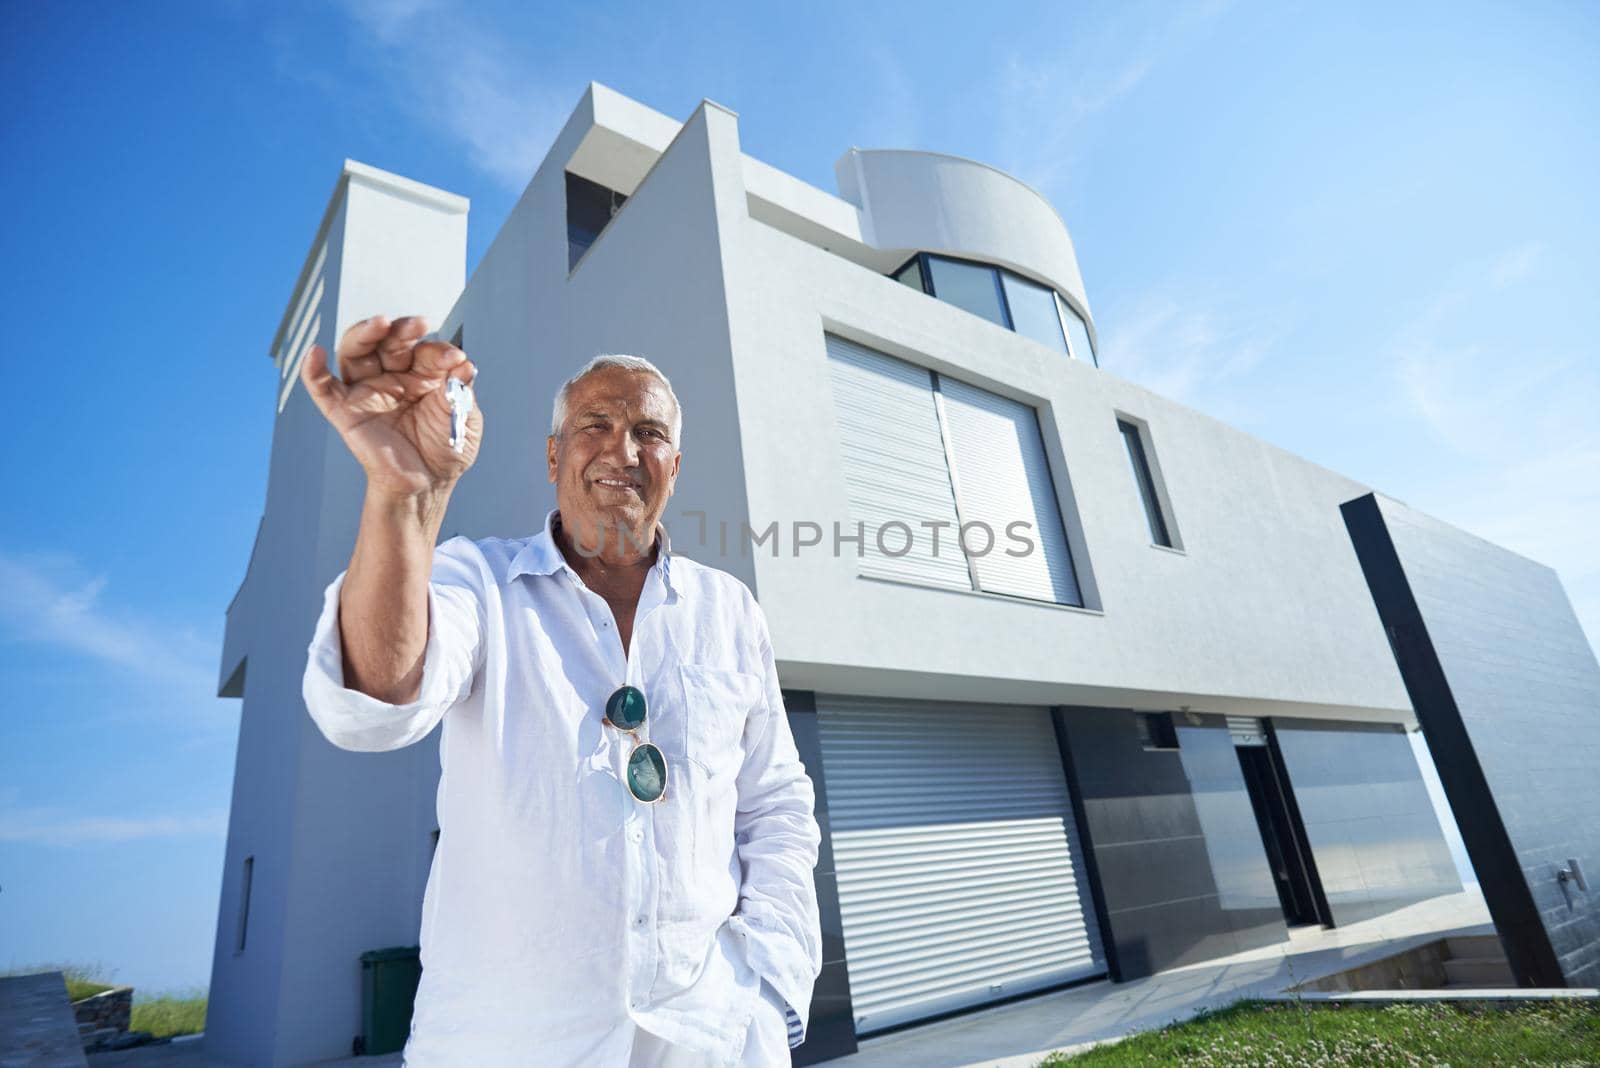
(729, 275)
(1508, 691)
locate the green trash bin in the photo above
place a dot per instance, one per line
(389, 980)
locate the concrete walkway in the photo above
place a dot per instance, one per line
(1020, 1034)
(37, 1029)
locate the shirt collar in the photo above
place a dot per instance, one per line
(542, 556)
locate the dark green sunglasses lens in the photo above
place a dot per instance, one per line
(625, 708)
(647, 772)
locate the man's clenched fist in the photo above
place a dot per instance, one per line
(391, 407)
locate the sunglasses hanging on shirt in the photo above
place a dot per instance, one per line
(647, 768)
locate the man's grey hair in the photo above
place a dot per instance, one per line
(558, 414)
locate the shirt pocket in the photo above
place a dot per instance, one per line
(717, 702)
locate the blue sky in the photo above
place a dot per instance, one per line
(1367, 233)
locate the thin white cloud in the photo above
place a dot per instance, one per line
(1520, 430)
(1046, 98)
(1192, 351)
(895, 117)
(463, 81)
(58, 826)
(1516, 265)
(50, 599)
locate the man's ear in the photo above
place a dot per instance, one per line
(550, 456)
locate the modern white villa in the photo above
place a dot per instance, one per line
(1138, 707)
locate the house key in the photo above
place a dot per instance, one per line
(459, 394)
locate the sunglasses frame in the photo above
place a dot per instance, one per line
(633, 732)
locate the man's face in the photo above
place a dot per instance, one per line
(614, 462)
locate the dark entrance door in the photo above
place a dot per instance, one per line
(1281, 834)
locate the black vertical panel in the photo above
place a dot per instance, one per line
(1156, 862)
(1507, 690)
(832, 1028)
(1084, 865)
(1366, 814)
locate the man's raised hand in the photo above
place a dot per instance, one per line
(391, 408)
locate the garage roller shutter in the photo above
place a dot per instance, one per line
(957, 856)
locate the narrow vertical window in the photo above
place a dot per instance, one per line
(244, 901)
(1140, 464)
(590, 207)
(1077, 333)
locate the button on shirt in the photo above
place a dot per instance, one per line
(558, 906)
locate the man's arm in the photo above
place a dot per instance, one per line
(452, 657)
(383, 621)
(776, 833)
(391, 411)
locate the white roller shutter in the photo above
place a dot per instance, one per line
(1002, 477)
(894, 465)
(957, 854)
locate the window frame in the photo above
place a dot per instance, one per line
(574, 262)
(1149, 485)
(1065, 308)
(922, 261)
(1072, 539)
(932, 288)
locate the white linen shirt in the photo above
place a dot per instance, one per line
(558, 906)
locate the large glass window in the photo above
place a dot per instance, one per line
(1078, 332)
(1033, 311)
(590, 206)
(1003, 297)
(972, 286)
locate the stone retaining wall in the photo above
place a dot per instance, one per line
(110, 1009)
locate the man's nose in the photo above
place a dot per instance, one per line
(622, 449)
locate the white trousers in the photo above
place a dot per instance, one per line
(766, 1044)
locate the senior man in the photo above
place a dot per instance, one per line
(626, 834)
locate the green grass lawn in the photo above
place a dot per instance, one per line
(163, 1015)
(1419, 1033)
(170, 1014)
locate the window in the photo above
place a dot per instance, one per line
(1078, 332)
(911, 275)
(1033, 311)
(973, 286)
(1156, 730)
(590, 207)
(1003, 297)
(244, 901)
(949, 483)
(1144, 481)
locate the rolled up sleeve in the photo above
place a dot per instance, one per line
(452, 660)
(778, 839)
